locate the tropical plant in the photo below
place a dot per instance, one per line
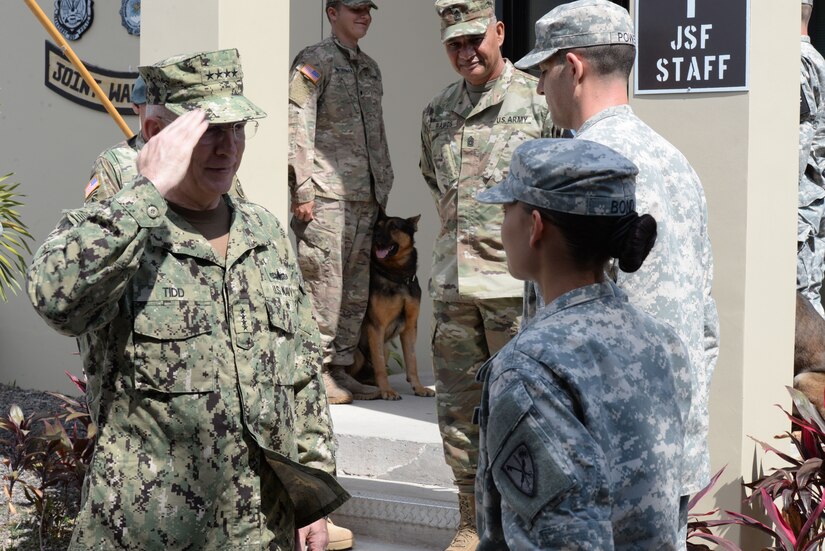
(14, 237)
(792, 496)
(58, 454)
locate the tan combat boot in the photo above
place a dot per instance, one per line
(339, 537)
(345, 381)
(335, 394)
(466, 539)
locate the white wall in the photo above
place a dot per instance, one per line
(405, 41)
(49, 143)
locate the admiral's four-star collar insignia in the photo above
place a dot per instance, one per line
(520, 469)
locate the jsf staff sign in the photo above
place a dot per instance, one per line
(691, 45)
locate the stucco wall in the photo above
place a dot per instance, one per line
(49, 143)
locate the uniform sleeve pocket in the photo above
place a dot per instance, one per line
(173, 346)
(528, 464)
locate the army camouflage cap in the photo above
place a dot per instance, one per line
(352, 3)
(568, 175)
(464, 17)
(808, 2)
(139, 91)
(211, 81)
(579, 25)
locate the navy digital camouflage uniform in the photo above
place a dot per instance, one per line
(582, 412)
(476, 303)
(810, 265)
(338, 157)
(203, 372)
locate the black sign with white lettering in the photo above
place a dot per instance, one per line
(692, 45)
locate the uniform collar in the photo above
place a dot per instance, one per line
(806, 39)
(499, 91)
(245, 233)
(351, 54)
(623, 109)
(461, 100)
(582, 295)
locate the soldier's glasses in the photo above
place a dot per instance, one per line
(242, 130)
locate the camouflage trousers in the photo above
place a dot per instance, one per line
(810, 253)
(334, 256)
(464, 336)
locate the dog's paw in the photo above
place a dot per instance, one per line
(390, 394)
(424, 392)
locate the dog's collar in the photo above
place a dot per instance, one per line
(407, 280)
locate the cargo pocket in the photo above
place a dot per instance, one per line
(173, 346)
(526, 462)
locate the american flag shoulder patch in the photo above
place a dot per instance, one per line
(91, 187)
(310, 72)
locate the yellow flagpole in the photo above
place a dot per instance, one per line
(57, 37)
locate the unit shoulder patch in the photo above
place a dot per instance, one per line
(301, 88)
(520, 469)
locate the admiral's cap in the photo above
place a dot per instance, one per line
(464, 17)
(139, 91)
(211, 81)
(352, 3)
(579, 25)
(568, 175)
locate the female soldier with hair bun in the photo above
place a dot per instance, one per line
(582, 412)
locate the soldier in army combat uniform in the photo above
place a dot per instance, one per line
(468, 134)
(810, 247)
(585, 50)
(582, 412)
(339, 175)
(202, 357)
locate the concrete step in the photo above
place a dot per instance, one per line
(390, 458)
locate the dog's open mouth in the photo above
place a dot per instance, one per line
(384, 253)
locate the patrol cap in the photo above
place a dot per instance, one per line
(808, 2)
(568, 175)
(352, 3)
(211, 81)
(464, 17)
(579, 25)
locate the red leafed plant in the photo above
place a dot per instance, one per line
(792, 496)
(58, 455)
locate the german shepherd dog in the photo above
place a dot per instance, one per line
(395, 299)
(809, 353)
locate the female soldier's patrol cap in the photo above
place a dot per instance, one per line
(210, 81)
(568, 175)
(464, 17)
(579, 25)
(808, 2)
(352, 3)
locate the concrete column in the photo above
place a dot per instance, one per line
(744, 147)
(259, 29)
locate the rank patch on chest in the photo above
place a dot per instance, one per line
(310, 72)
(519, 468)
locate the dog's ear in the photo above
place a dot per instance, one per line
(414, 221)
(382, 214)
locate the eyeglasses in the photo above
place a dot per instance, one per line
(242, 130)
